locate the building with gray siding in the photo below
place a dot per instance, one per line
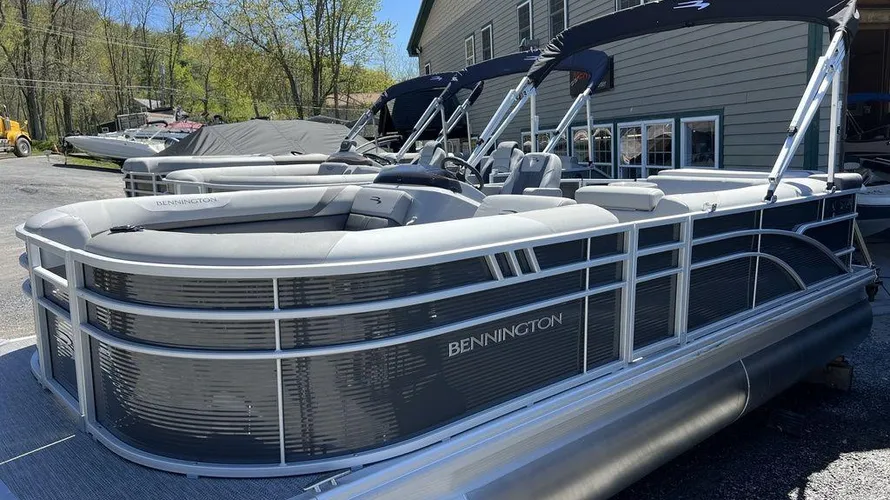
(716, 96)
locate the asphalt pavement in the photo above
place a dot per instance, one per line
(841, 449)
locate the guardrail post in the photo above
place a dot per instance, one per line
(281, 447)
(40, 329)
(685, 277)
(628, 299)
(82, 353)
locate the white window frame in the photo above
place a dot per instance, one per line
(717, 145)
(644, 144)
(470, 50)
(593, 128)
(639, 2)
(490, 37)
(531, 17)
(426, 69)
(565, 17)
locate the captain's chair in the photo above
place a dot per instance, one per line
(505, 159)
(537, 174)
(431, 155)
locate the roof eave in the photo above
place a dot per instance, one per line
(419, 24)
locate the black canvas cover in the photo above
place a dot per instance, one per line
(273, 137)
(667, 15)
(591, 62)
(419, 84)
(407, 110)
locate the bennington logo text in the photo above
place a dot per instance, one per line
(502, 334)
(185, 201)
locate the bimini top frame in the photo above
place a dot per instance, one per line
(841, 17)
(419, 84)
(594, 63)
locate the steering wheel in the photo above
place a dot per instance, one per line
(382, 160)
(461, 170)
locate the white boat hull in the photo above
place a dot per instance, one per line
(112, 148)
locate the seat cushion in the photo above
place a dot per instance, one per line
(536, 170)
(374, 208)
(621, 197)
(501, 204)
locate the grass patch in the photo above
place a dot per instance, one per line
(79, 161)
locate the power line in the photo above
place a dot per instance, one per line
(90, 36)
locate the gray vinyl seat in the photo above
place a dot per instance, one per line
(505, 159)
(537, 173)
(500, 204)
(374, 208)
(431, 155)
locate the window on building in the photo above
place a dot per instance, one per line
(645, 148)
(558, 16)
(544, 136)
(602, 145)
(524, 11)
(487, 42)
(426, 69)
(699, 142)
(470, 50)
(626, 4)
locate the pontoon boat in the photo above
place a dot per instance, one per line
(414, 338)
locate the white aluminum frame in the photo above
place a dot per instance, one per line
(717, 144)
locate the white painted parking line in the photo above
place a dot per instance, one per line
(35, 450)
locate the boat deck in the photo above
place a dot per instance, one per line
(45, 456)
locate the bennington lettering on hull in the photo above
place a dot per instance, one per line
(185, 201)
(503, 334)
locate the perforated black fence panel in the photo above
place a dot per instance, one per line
(561, 254)
(216, 411)
(722, 248)
(201, 293)
(61, 353)
(174, 332)
(654, 311)
(341, 404)
(603, 329)
(720, 291)
(331, 330)
(368, 287)
(773, 282)
(658, 262)
(659, 235)
(836, 236)
(725, 224)
(56, 295)
(788, 217)
(808, 262)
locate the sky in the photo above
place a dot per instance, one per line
(402, 13)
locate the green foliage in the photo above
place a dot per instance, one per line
(69, 65)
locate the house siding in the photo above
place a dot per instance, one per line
(752, 74)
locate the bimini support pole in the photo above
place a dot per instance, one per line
(511, 104)
(589, 132)
(459, 113)
(425, 120)
(444, 127)
(835, 134)
(828, 65)
(359, 125)
(533, 126)
(567, 119)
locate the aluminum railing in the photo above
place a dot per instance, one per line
(658, 266)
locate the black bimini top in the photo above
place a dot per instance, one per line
(591, 62)
(437, 81)
(667, 15)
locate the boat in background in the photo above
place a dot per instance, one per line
(133, 143)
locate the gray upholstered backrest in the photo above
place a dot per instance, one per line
(431, 155)
(507, 157)
(536, 170)
(375, 208)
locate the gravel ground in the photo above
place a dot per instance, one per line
(29, 186)
(843, 451)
